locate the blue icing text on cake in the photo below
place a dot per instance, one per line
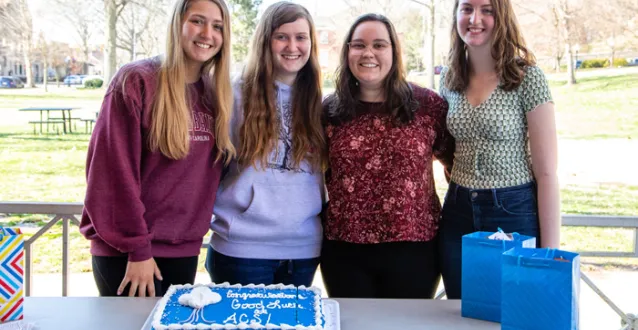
(224, 306)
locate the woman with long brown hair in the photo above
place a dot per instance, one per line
(266, 228)
(383, 134)
(502, 117)
(156, 156)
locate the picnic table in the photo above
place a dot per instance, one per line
(64, 120)
(102, 313)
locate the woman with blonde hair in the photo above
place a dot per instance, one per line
(266, 228)
(502, 118)
(156, 157)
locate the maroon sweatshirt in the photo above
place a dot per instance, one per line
(140, 203)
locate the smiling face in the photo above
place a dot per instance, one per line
(202, 29)
(370, 54)
(290, 46)
(475, 22)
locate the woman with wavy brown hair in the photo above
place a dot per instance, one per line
(383, 134)
(266, 228)
(502, 118)
(156, 156)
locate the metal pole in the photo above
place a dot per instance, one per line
(605, 298)
(65, 256)
(28, 263)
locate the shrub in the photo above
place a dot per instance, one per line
(618, 62)
(595, 63)
(93, 83)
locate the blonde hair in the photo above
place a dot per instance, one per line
(171, 114)
(260, 129)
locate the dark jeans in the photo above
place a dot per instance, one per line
(513, 209)
(223, 268)
(384, 270)
(109, 273)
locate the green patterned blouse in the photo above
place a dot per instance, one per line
(492, 144)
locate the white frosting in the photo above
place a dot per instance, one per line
(157, 318)
(199, 297)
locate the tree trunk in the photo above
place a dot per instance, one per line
(428, 43)
(45, 78)
(564, 23)
(432, 43)
(571, 75)
(110, 59)
(26, 54)
(27, 43)
(87, 54)
(611, 58)
(133, 36)
(557, 63)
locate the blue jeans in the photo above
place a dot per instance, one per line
(223, 268)
(513, 209)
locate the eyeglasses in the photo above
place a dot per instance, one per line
(377, 47)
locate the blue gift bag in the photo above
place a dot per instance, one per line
(541, 289)
(481, 273)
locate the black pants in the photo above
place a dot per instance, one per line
(109, 273)
(385, 270)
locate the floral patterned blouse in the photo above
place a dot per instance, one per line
(380, 183)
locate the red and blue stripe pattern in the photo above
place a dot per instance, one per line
(11, 274)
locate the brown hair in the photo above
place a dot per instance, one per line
(171, 116)
(399, 100)
(508, 49)
(260, 129)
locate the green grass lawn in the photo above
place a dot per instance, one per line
(50, 167)
(596, 107)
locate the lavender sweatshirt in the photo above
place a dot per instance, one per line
(140, 203)
(271, 211)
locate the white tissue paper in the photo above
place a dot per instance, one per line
(199, 297)
(500, 235)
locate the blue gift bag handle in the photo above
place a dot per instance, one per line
(537, 262)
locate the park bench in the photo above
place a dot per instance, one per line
(88, 124)
(50, 121)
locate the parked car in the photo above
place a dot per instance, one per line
(632, 61)
(73, 80)
(10, 82)
(22, 78)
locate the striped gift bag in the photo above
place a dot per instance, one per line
(11, 274)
